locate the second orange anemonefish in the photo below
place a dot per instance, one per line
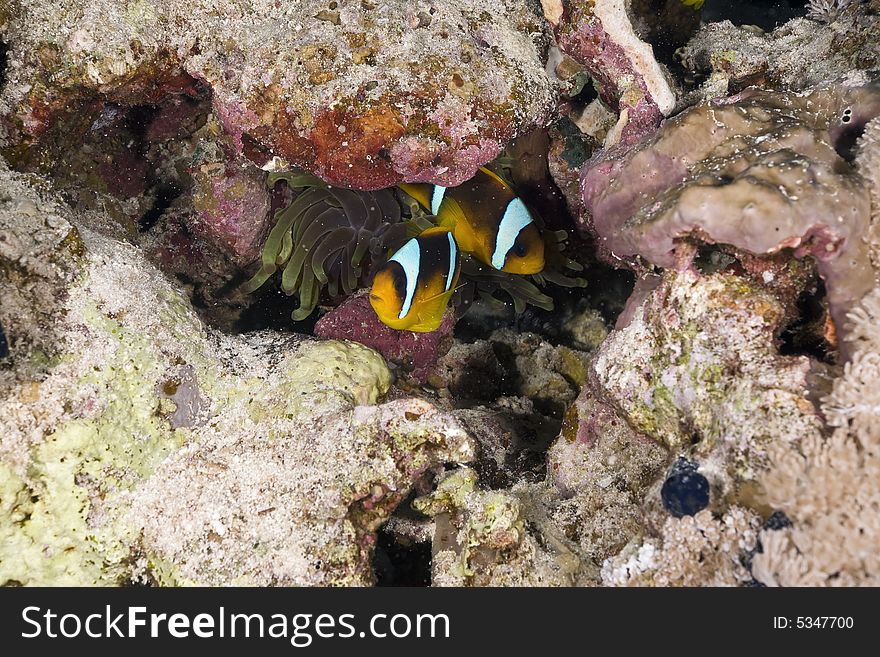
(487, 219)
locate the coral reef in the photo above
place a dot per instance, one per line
(699, 550)
(697, 369)
(599, 35)
(828, 487)
(703, 414)
(772, 168)
(351, 94)
(151, 448)
(480, 539)
(797, 55)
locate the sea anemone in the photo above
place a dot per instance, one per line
(328, 237)
(336, 239)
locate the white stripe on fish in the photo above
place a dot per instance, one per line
(408, 257)
(516, 217)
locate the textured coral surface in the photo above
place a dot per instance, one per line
(699, 408)
(365, 95)
(312, 465)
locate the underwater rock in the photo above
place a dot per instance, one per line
(600, 470)
(232, 206)
(152, 448)
(797, 55)
(300, 508)
(416, 353)
(367, 100)
(40, 255)
(761, 171)
(488, 538)
(512, 437)
(514, 363)
(599, 35)
(697, 370)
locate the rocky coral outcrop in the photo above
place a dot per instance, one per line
(797, 55)
(599, 35)
(761, 172)
(150, 447)
(697, 369)
(364, 94)
(483, 538)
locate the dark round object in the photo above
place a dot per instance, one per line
(685, 491)
(778, 520)
(4, 346)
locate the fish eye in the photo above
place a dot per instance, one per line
(519, 250)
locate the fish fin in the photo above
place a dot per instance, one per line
(430, 313)
(452, 217)
(495, 177)
(435, 229)
(421, 192)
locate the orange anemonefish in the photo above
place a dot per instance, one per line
(487, 219)
(412, 289)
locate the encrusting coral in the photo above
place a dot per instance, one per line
(798, 55)
(481, 538)
(599, 35)
(699, 550)
(773, 168)
(148, 447)
(365, 95)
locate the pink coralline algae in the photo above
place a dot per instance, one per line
(232, 205)
(375, 96)
(356, 320)
(599, 35)
(761, 172)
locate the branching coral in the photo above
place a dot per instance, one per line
(329, 237)
(827, 11)
(830, 489)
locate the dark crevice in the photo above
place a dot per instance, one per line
(4, 345)
(766, 14)
(271, 310)
(4, 61)
(805, 335)
(396, 564)
(165, 195)
(846, 138)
